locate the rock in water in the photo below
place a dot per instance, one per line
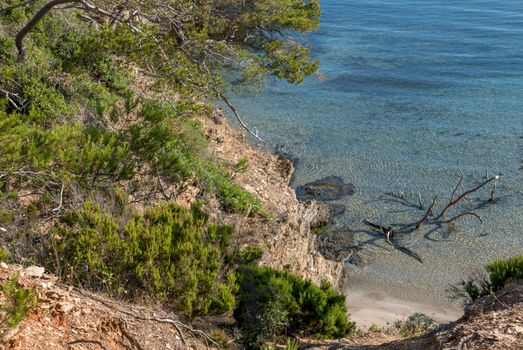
(329, 188)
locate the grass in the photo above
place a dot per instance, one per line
(499, 272)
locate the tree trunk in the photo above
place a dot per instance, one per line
(19, 40)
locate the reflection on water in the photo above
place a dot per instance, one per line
(408, 89)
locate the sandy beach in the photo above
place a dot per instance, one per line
(367, 308)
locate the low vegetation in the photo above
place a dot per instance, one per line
(168, 253)
(273, 303)
(499, 272)
(416, 324)
(17, 302)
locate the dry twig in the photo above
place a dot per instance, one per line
(88, 341)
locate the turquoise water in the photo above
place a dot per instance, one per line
(408, 88)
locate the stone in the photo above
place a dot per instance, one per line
(329, 188)
(10, 333)
(34, 271)
(336, 210)
(64, 307)
(4, 266)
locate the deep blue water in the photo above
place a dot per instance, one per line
(408, 88)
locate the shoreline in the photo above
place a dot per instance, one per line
(376, 307)
(365, 306)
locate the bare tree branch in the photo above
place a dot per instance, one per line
(22, 54)
(453, 201)
(237, 115)
(427, 213)
(461, 215)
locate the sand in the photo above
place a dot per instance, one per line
(367, 308)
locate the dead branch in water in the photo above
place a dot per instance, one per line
(453, 201)
(427, 213)
(438, 220)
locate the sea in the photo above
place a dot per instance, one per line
(408, 93)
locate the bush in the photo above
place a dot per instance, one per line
(169, 253)
(415, 325)
(18, 302)
(499, 273)
(272, 303)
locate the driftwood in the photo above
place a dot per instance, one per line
(428, 217)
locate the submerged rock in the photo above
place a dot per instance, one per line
(336, 210)
(329, 188)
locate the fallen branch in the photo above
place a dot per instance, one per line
(123, 328)
(174, 323)
(455, 201)
(388, 231)
(237, 115)
(420, 201)
(88, 341)
(60, 206)
(427, 213)
(461, 215)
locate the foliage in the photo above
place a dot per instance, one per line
(4, 255)
(242, 165)
(18, 302)
(222, 338)
(374, 328)
(168, 253)
(249, 255)
(499, 273)
(416, 324)
(291, 344)
(272, 303)
(194, 46)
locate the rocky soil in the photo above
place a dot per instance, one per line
(71, 319)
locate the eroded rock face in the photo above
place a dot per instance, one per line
(329, 188)
(286, 237)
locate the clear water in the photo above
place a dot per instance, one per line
(410, 87)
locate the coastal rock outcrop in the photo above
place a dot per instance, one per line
(285, 234)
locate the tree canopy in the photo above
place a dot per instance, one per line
(197, 46)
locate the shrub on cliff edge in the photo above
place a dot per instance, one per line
(272, 303)
(168, 253)
(499, 273)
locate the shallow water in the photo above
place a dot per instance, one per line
(409, 89)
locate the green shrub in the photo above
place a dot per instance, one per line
(499, 273)
(4, 255)
(272, 303)
(417, 324)
(18, 302)
(242, 165)
(168, 253)
(374, 328)
(249, 255)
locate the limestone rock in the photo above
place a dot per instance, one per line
(34, 271)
